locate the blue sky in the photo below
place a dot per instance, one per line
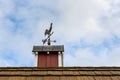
(89, 30)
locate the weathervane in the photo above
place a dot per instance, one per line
(48, 33)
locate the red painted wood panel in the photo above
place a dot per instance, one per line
(42, 60)
(48, 60)
(54, 60)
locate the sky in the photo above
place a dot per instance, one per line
(88, 29)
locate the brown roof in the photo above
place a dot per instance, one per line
(60, 73)
(48, 48)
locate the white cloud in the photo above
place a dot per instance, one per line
(86, 57)
(80, 19)
(20, 29)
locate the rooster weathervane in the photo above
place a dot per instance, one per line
(48, 33)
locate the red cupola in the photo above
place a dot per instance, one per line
(48, 56)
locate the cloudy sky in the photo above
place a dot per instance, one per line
(88, 29)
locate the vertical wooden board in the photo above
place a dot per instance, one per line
(76, 72)
(115, 77)
(58, 72)
(65, 72)
(119, 77)
(48, 64)
(90, 73)
(80, 78)
(77, 77)
(42, 60)
(51, 72)
(83, 72)
(12, 78)
(28, 78)
(106, 72)
(62, 77)
(42, 72)
(73, 78)
(114, 72)
(34, 78)
(54, 78)
(48, 60)
(118, 72)
(91, 78)
(98, 78)
(68, 77)
(46, 78)
(17, 78)
(39, 78)
(4, 78)
(98, 72)
(23, 78)
(106, 78)
(70, 72)
(85, 78)
(54, 60)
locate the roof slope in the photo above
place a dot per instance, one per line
(48, 48)
(60, 73)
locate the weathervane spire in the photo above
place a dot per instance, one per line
(48, 33)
